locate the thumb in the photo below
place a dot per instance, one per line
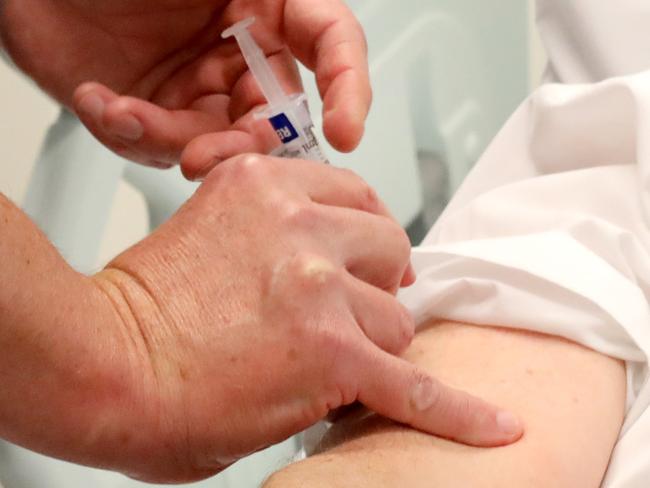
(401, 391)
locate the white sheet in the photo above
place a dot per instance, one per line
(555, 216)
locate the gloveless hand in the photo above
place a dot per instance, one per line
(148, 76)
(264, 304)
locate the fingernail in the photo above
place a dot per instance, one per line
(127, 127)
(508, 423)
(160, 164)
(92, 105)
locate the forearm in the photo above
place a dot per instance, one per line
(571, 401)
(65, 369)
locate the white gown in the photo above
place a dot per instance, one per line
(555, 216)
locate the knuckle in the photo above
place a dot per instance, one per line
(398, 258)
(365, 196)
(304, 282)
(311, 269)
(298, 214)
(426, 394)
(406, 329)
(247, 169)
(369, 198)
(402, 244)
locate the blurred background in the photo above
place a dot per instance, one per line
(446, 74)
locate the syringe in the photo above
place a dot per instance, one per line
(288, 114)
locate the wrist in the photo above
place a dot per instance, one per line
(126, 376)
(73, 383)
(155, 434)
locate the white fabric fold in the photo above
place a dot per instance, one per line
(550, 233)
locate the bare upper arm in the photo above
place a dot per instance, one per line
(571, 400)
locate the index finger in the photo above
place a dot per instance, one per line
(401, 391)
(327, 38)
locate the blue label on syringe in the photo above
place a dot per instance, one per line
(284, 128)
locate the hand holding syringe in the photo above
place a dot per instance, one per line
(288, 114)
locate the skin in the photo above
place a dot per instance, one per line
(147, 77)
(186, 354)
(572, 400)
(266, 302)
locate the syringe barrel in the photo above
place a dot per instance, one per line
(289, 116)
(293, 125)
